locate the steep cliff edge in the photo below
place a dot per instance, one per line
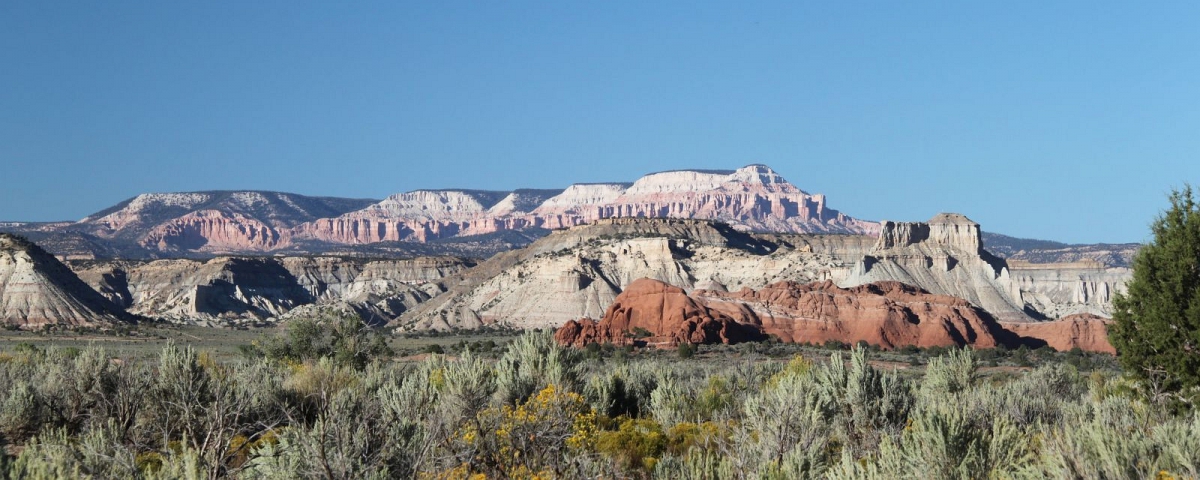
(751, 198)
(578, 272)
(945, 256)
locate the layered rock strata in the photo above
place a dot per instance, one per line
(217, 221)
(945, 256)
(579, 272)
(752, 198)
(1060, 289)
(1084, 331)
(36, 290)
(886, 314)
(238, 289)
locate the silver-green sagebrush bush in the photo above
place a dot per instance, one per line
(535, 359)
(538, 410)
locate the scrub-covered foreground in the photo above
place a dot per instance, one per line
(538, 410)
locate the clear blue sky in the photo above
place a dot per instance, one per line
(1059, 120)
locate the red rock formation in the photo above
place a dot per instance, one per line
(668, 314)
(1084, 331)
(215, 230)
(887, 314)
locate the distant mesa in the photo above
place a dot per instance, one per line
(179, 224)
(752, 198)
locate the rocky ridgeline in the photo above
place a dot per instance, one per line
(214, 223)
(578, 273)
(751, 198)
(887, 314)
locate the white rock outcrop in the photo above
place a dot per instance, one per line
(36, 290)
(578, 272)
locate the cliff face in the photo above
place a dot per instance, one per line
(212, 222)
(943, 256)
(1061, 289)
(237, 289)
(887, 314)
(579, 272)
(751, 198)
(426, 215)
(213, 230)
(946, 256)
(36, 290)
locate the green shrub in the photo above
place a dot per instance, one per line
(348, 340)
(1157, 320)
(686, 350)
(533, 361)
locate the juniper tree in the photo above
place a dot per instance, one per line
(1157, 330)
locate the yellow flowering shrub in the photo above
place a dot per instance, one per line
(460, 472)
(531, 440)
(686, 436)
(797, 366)
(635, 444)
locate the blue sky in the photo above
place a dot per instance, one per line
(1059, 120)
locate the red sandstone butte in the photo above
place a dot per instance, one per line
(887, 314)
(666, 312)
